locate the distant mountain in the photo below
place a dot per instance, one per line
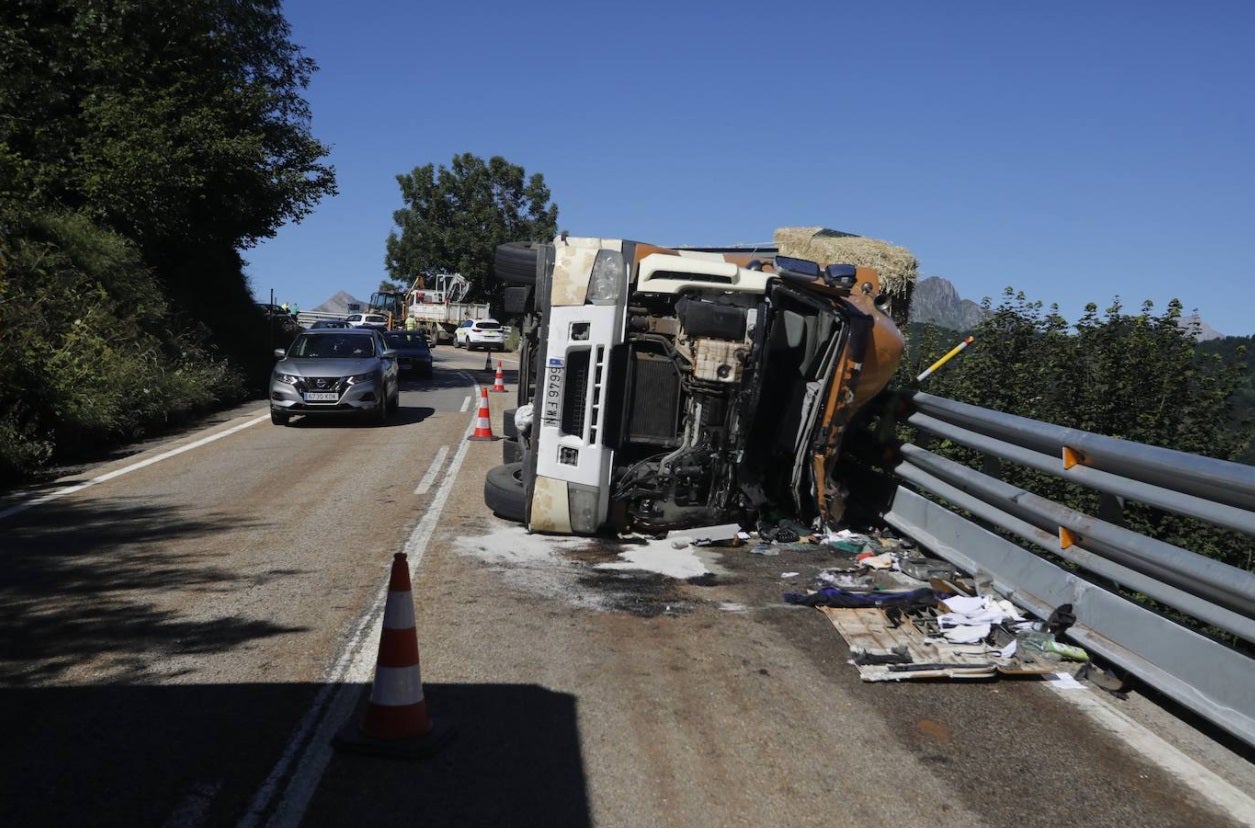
(936, 301)
(1205, 331)
(339, 304)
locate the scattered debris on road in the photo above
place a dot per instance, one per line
(906, 616)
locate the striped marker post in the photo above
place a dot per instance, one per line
(396, 722)
(955, 351)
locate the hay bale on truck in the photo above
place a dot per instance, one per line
(897, 266)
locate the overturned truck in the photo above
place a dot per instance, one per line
(664, 389)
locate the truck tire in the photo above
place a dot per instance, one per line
(511, 451)
(515, 262)
(507, 425)
(503, 491)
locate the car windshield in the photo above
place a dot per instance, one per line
(332, 346)
(406, 339)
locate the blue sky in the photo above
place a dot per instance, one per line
(1077, 151)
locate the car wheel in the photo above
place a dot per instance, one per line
(515, 262)
(511, 451)
(279, 417)
(381, 412)
(503, 491)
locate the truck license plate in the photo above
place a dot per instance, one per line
(553, 394)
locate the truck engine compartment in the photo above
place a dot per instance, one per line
(714, 394)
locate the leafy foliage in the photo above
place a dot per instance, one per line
(83, 340)
(1138, 377)
(455, 217)
(167, 127)
(140, 151)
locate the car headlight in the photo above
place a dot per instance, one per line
(360, 378)
(289, 379)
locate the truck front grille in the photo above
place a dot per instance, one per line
(575, 394)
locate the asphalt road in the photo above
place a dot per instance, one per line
(178, 643)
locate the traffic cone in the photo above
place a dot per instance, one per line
(488, 361)
(498, 383)
(483, 420)
(396, 721)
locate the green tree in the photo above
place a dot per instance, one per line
(140, 152)
(168, 127)
(1139, 377)
(455, 217)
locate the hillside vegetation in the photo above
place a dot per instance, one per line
(140, 151)
(1135, 376)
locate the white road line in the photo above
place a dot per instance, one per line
(290, 786)
(430, 477)
(166, 455)
(1194, 776)
(193, 811)
(466, 405)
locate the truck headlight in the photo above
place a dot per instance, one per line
(608, 273)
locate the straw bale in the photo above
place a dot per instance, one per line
(898, 267)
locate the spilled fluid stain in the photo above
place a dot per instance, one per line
(933, 728)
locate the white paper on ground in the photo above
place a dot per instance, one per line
(1064, 681)
(967, 635)
(964, 604)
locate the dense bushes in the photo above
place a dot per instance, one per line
(88, 346)
(1140, 377)
(140, 152)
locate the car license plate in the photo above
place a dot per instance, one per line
(321, 396)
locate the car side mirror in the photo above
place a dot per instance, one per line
(388, 354)
(280, 353)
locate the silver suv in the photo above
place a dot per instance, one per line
(335, 371)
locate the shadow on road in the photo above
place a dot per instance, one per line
(197, 755)
(64, 602)
(515, 760)
(404, 415)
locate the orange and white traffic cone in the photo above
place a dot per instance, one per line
(396, 721)
(498, 383)
(483, 420)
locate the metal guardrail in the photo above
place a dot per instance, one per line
(308, 318)
(1200, 673)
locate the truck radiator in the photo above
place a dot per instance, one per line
(653, 404)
